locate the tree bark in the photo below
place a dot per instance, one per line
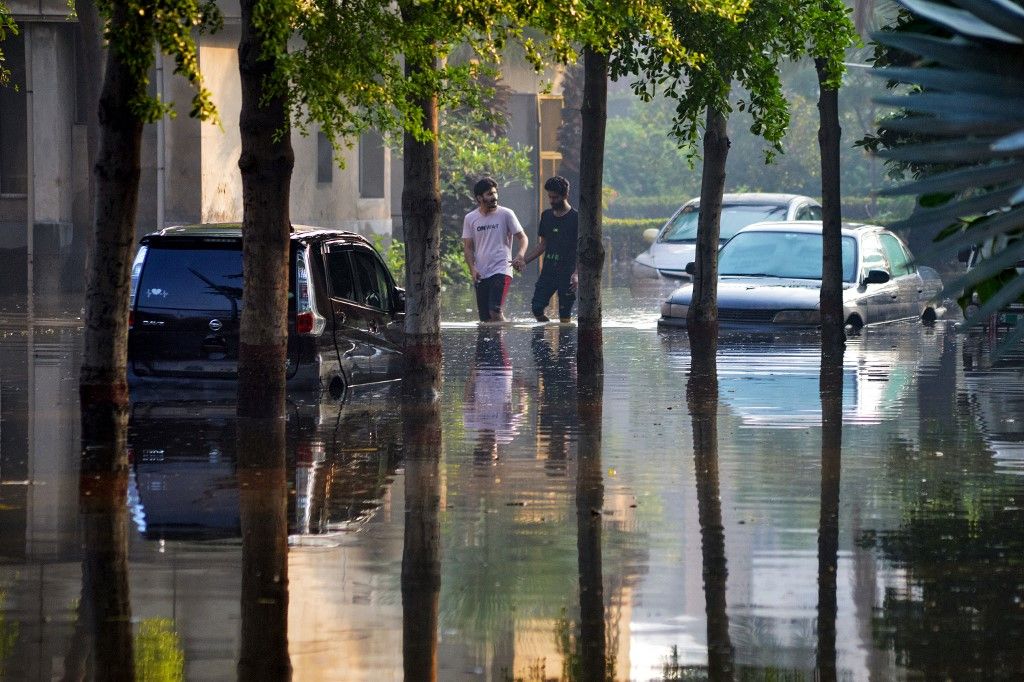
(266, 163)
(593, 652)
(421, 552)
(102, 380)
(105, 607)
(263, 515)
(831, 390)
(829, 133)
(704, 300)
(702, 401)
(594, 115)
(421, 216)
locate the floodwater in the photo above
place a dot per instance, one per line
(679, 526)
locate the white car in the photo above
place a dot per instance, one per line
(675, 244)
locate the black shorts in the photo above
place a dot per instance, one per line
(490, 296)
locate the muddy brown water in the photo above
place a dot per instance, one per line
(676, 528)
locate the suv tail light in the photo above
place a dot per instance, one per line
(307, 321)
(131, 319)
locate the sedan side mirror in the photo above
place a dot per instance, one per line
(690, 269)
(650, 234)
(876, 277)
(399, 300)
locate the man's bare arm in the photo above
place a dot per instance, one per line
(520, 242)
(469, 253)
(542, 245)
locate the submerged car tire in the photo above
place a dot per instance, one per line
(854, 324)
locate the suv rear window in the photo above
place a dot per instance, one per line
(194, 279)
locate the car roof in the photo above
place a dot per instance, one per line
(756, 198)
(234, 231)
(809, 227)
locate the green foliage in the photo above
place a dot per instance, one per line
(159, 656)
(7, 27)
(453, 263)
(134, 27)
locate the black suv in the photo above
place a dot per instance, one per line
(345, 314)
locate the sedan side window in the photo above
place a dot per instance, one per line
(814, 212)
(873, 258)
(339, 271)
(804, 213)
(896, 256)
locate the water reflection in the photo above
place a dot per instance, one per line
(421, 548)
(493, 399)
(702, 400)
(263, 510)
(916, 574)
(831, 391)
(105, 607)
(593, 663)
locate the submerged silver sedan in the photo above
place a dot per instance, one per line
(770, 276)
(674, 245)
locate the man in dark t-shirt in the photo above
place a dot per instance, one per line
(556, 239)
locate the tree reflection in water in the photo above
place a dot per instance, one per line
(702, 401)
(594, 664)
(421, 549)
(830, 386)
(263, 502)
(105, 608)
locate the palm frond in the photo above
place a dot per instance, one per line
(959, 21)
(954, 81)
(952, 151)
(1001, 14)
(956, 180)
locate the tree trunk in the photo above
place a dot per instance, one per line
(702, 401)
(421, 552)
(266, 163)
(589, 506)
(704, 300)
(93, 57)
(105, 607)
(421, 215)
(104, 357)
(594, 115)
(829, 134)
(263, 516)
(831, 390)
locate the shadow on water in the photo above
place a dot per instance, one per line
(105, 607)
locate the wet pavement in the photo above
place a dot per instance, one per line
(684, 525)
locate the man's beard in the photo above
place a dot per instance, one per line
(558, 205)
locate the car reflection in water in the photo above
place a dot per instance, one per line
(340, 459)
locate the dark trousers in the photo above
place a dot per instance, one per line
(554, 277)
(490, 296)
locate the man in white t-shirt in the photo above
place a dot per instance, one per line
(488, 234)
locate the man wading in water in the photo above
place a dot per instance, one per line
(556, 239)
(488, 233)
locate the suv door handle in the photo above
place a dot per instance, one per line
(340, 317)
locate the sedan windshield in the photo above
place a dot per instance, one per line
(735, 217)
(794, 255)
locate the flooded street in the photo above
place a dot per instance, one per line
(521, 531)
